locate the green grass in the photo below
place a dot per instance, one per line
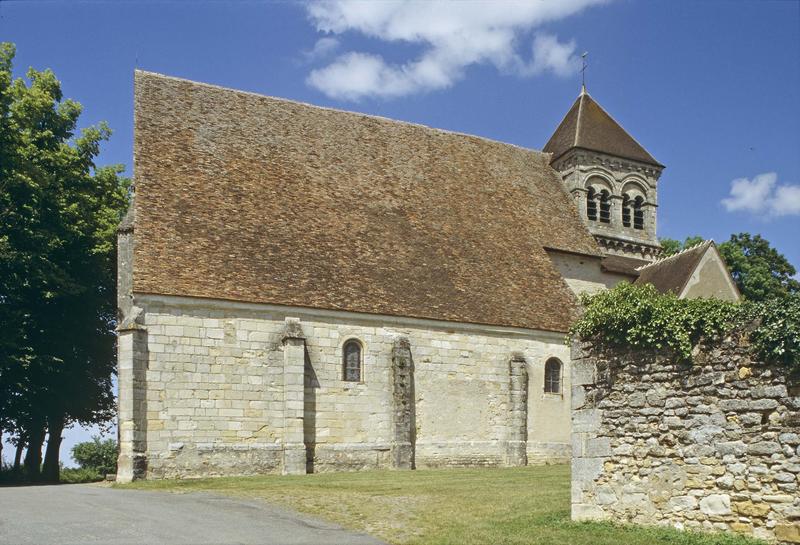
(513, 506)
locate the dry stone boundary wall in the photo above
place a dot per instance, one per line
(710, 445)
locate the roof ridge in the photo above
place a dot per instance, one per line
(578, 120)
(676, 254)
(339, 110)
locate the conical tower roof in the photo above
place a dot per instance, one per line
(587, 125)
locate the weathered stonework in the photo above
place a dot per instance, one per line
(713, 445)
(233, 388)
(403, 416)
(516, 454)
(294, 360)
(132, 424)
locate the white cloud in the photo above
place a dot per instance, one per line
(787, 201)
(550, 54)
(763, 196)
(453, 35)
(323, 48)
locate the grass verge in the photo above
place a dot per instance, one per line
(514, 506)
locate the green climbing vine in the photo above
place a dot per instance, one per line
(641, 317)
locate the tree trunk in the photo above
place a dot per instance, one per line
(50, 470)
(18, 455)
(33, 454)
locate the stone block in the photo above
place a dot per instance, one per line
(586, 420)
(763, 448)
(598, 447)
(733, 405)
(737, 448)
(583, 373)
(750, 509)
(716, 505)
(682, 503)
(586, 470)
(762, 404)
(788, 533)
(585, 511)
(776, 391)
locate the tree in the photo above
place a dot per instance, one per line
(760, 271)
(670, 246)
(58, 215)
(97, 455)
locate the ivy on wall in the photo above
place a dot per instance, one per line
(641, 317)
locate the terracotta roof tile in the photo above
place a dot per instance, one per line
(251, 198)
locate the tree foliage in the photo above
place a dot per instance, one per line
(58, 216)
(97, 455)
(760, 271)
(670, 246)
(641, 317)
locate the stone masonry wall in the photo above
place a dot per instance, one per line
(584, 274)
(233, 388)
(713, 445)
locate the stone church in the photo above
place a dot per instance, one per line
(304, 289)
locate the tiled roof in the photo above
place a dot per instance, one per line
(672, 273)
(588, 126)
(251, 198)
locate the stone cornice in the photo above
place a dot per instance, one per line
(579, 157)
(615, 244)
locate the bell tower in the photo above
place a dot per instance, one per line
(611, 177)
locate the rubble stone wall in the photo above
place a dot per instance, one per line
(713, 444)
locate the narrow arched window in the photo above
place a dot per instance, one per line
(638, 213)
(351, 361)
(626, 211)
(591, 204)
(552, 376)
(605, 207)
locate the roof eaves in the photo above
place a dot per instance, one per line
(597, 255)
(586, 148)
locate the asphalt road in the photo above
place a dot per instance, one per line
(92, 514)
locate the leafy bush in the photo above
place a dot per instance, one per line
(641, 317)
(96, 455)
(778, 337)
(74, 475)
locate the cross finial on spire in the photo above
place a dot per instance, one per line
(584, 64)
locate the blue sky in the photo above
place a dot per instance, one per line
(709, 88)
